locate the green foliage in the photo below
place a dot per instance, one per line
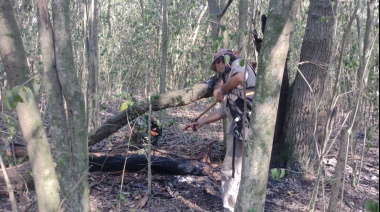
(155, 97)
(171, 122)
(15, 96)
(242, 63)
(368, 144)
(252, 210)
(140, 152)
(223, 27)
(125, 105)
(277, 174)
(11, 126)
(122, 196)
(36, 87)
(227, 59)
(325, 19)
(371, 205)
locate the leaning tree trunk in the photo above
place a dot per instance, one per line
(14, 60)
(258, 147)
(91, 39)
(171, 99)
(73, 154)
(308, 87)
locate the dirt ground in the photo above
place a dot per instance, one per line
(126, 191)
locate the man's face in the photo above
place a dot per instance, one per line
(219, 65)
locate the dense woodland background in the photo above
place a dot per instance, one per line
(75, 75)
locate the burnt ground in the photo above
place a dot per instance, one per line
(120, 191)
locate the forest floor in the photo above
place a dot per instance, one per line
(120, 191)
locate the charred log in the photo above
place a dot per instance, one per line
(21, 175)
(160, 165)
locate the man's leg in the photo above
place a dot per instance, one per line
(230, 186)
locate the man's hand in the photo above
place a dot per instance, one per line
(195, 126)
(218, 94)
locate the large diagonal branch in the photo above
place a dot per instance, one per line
(225, 9)
(171, 99)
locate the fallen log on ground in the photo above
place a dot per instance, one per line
(135, 162)
(167, 100)
(21, 175)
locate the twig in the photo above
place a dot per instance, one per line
(9, 186)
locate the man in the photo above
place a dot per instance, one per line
(232, 95)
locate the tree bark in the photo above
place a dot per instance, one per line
(258, 147)
(72, 155)
(213, 8)
(164, 46)
(93, 72)
(339, 172)
(15, 65)
(243, 26)
(308, 87)
(57, 114)
(171, 99)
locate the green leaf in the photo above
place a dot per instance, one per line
(36, 87)
(123, 106)
(17, 98)
(277, 174)
(227, 59)
(16, 90)
(252, 210)
(241, 63)
(371, 205)
(325, 19)
(223, 28)
(274, 173)
(28, 93)
(10, 102)
(155, 97)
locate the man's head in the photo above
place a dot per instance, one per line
(218, 62)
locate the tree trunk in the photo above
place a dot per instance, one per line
(164, 46)
(171, 99)
(55, 103)
(308, 87)
(92, 106)
(14, 60)
(278, 157)
(73, 154)
(340, 168)
(213, 8)
(258, 147)
(243, 27)
(362, 77)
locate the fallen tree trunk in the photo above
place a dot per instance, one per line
(133, 163)
(20, 176)
(171, 99)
